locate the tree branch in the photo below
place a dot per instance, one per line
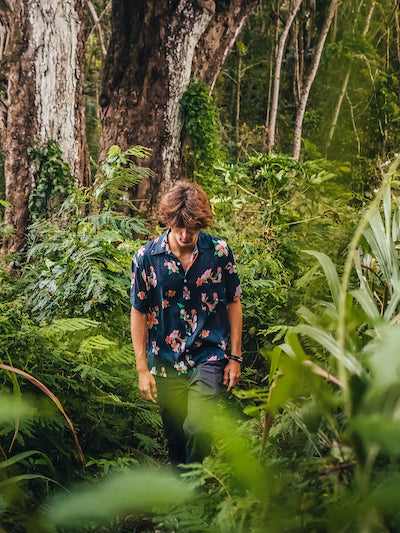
(98, 26)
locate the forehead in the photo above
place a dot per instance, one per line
(178, 227)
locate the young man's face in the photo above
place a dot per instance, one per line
(183, 238)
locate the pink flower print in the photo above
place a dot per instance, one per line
(181, 367)
(172, 266)
(211, 306)
(193, 320)
(198, 344)
(133, 279)
(213, 358)
(238, 293)
(222, 345)
(204, 277)
(186, 293)
(221, 248)
(141, 295)
(141, 251)
(165, 304)
(173, 335)
(152, 318)
(175, 345)
(171, 294)
(153, 370)
(231, 268)
(153, 277)
(205, 333)
(163, 373)
(155, 349)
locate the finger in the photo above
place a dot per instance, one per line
(226, 377)
(231, 382)
(146, 395)
(154, 391)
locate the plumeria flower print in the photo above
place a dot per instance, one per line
(172, 266)
(231, 268)
(221, 248)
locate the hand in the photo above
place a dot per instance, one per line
(147, 386)
(231, 374)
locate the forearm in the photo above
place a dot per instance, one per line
(235, 318)
(139, 338)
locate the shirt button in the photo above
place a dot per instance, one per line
(185, 280)
(178, 263)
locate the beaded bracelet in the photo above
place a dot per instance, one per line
(235, 358)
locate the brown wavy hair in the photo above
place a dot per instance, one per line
(185, 206)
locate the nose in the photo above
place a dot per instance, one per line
(185, 234)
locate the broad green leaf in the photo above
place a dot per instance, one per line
(275, 356)
(380, 430)
(330, 344)
(394, 300)
(368, 304)
(386, 496)
(330, 274)
(24, 455)
(24, 477)
(384, 358)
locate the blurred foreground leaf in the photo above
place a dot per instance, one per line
(11, 409)
(121, 494)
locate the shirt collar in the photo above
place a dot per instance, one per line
(161, 245)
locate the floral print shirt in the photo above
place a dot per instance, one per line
(186, 310)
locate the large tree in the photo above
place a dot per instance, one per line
(155, 47)
(44, 55)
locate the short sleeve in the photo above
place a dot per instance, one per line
(139, 284)
(232, 282)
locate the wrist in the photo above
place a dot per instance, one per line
(237, 358)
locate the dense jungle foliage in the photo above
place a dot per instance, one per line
(309, 441)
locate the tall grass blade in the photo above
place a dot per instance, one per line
(48, 392)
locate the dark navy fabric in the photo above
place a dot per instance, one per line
(186, 311)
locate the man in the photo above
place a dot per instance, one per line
(185, 299)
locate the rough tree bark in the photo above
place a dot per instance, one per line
(45, 53)
(310, 78)
(154, 48)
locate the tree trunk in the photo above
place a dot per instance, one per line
(345, 83)
(310, 78)
(149, 62)
(277, 76)
(45, 95)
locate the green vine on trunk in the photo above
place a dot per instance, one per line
(201, 142)
(53, 179)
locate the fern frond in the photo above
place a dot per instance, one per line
(97, 342)
(68, 325)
